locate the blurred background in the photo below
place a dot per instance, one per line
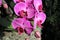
(50, 31)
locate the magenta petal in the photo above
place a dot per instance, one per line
(37, 3)
(28, 31)
(18, 22)
(42, 17)
(27, 23)
(39, 16)
(28, 1)
(30, 11)
(28, 27)
(18, 7)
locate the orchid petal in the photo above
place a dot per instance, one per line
(18, 7)
(30, 11)
(28, 27)
(39, 16)
(18, 22)
(37, 4)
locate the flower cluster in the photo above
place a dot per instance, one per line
(27, 11)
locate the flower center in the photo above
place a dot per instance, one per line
(20, 30)
(19, 1)
(40, 8)
(22, 13)
(39, 23)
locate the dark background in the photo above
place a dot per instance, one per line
(51, 30)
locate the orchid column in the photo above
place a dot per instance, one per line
(27, 11)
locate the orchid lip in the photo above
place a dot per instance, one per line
(22, 13)
(20, 30)
(40, 8)
(17, 1)
(39, 23)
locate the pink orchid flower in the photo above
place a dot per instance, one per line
(39, 19)
(24, 10)
(18, 25)
(17, 1)
(22, 25)
(28, 1)
(28, 9)
(20, 9)
(38, 5)
(0, 2)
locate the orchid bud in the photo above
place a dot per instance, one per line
(37, 34)
(26, 38)
(5, 6)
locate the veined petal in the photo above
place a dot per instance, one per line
(39, 17)
(42, 17)
(18, 7)
(30, 11)
(38, 5)
(28, 27)
(18, 22)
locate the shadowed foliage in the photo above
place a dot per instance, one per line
(51, 30)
